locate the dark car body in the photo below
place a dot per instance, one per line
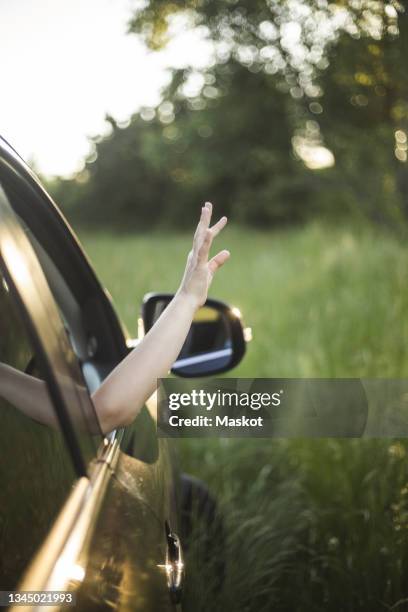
(81, 512)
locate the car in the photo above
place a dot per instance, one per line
(100, 519)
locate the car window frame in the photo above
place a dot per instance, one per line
(79, 273)
(55, 224)
(131, 439)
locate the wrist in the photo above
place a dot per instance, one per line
(187, 300)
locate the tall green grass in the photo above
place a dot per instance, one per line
(321, 302)
(310, 524)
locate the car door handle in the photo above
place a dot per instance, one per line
(174, 565)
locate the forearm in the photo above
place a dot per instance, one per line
(28, 394)
(122, 395)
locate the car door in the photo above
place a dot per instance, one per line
(113, 541)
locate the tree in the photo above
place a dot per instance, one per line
(286, 78)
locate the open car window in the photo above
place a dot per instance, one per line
(91, 326)
(26, 276)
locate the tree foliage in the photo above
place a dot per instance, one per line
(288, 81)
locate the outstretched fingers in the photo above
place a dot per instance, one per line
(217, 227)
(203, 225)
(209, 208)
(204, 249)
(218, 260)
(204, 236)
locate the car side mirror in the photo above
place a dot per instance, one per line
(215, 342)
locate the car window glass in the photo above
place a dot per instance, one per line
(36, 471)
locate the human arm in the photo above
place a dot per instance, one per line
(123, 393)
(27, 393)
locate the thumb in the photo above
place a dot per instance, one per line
(218, 260)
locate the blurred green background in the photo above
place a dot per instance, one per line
(310, 524)
(298, 132)
(301, 113)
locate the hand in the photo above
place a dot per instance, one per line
(199, 270)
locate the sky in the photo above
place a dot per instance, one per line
(66, 64)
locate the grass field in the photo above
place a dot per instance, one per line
(310, 525)
(321, 302)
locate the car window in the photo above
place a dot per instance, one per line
(94, 333)
(36, 470)
(97, 340)
(81, 426)
(82, 343)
